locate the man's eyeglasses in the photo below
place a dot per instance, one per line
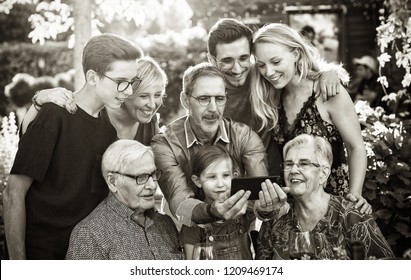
(220, 100)
(123, 85)
(143, 178)
(228, 62)
(302, 165)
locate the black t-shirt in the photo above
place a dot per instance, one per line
(62, 152)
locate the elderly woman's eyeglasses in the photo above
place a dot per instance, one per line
(228, 62)
(302, 165)
(122, 85)
(143, 178)
(220, 100)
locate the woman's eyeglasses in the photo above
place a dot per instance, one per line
(302, 165)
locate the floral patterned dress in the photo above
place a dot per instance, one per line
(309, 121)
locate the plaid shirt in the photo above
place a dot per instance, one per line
(174, 150)
(112, 232)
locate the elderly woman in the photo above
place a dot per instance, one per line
(333, 221)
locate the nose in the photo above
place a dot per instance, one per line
(213, 105)
(237, 68)
(269, 71)
(151, 184)
(220, 182)
(294, 168)
(128, 91)
(151, 103)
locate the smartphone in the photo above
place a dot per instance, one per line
(252, 184)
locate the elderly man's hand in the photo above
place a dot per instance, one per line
(271, 197)
(231, 208)
(362, 204)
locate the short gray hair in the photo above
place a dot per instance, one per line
(121, 153)
(322, 147)
(193, 73)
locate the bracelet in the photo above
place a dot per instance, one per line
(37, 106)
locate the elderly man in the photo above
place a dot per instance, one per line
(125, 225)
(204, 97)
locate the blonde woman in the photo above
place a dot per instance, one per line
(283, 99)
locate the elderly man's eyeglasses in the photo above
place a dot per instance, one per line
(302, 165)
(228, 62)
(143, 178)
(220, 100)
(122, 85)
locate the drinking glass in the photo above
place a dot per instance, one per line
(204, 251)
(301, 245)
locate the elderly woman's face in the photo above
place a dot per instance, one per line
(304, 176)
(139, 197)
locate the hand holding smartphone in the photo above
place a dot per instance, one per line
(252, 184)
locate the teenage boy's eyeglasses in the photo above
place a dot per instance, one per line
(123, 85)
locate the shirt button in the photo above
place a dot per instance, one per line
(210, 238)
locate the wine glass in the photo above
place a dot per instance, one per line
(204, 251)
(301, 245)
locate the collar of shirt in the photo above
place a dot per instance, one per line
(128, 214)
(191, 138)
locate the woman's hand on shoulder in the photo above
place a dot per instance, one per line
(59, 96)
(328, 85)
(361, 203)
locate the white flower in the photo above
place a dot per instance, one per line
(383, 80)
(383, 58)
(407, 80)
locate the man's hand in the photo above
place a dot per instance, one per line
(328, 84)
(362, 204)
(271, 197)
(59, 96)
(231, 208)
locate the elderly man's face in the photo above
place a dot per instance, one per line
(205, 119)
(137, 197)
(233, 60)
(304, 176)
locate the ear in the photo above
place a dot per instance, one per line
(296, 55)
(196, 181)
(324, 174)
(92, 77)
(184, 100)
(212, 60)
(111, 182)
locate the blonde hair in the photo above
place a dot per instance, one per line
(265, 100)
(150, 72)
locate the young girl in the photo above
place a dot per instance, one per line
(213, 169)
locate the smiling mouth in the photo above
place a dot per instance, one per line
(296, 181)
(147, 113)
(274, 79)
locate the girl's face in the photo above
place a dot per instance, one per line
(215, 180)
(276, 63)
(144, 104)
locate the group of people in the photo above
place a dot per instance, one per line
(89, 163)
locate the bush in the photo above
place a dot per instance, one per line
(387, 183)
